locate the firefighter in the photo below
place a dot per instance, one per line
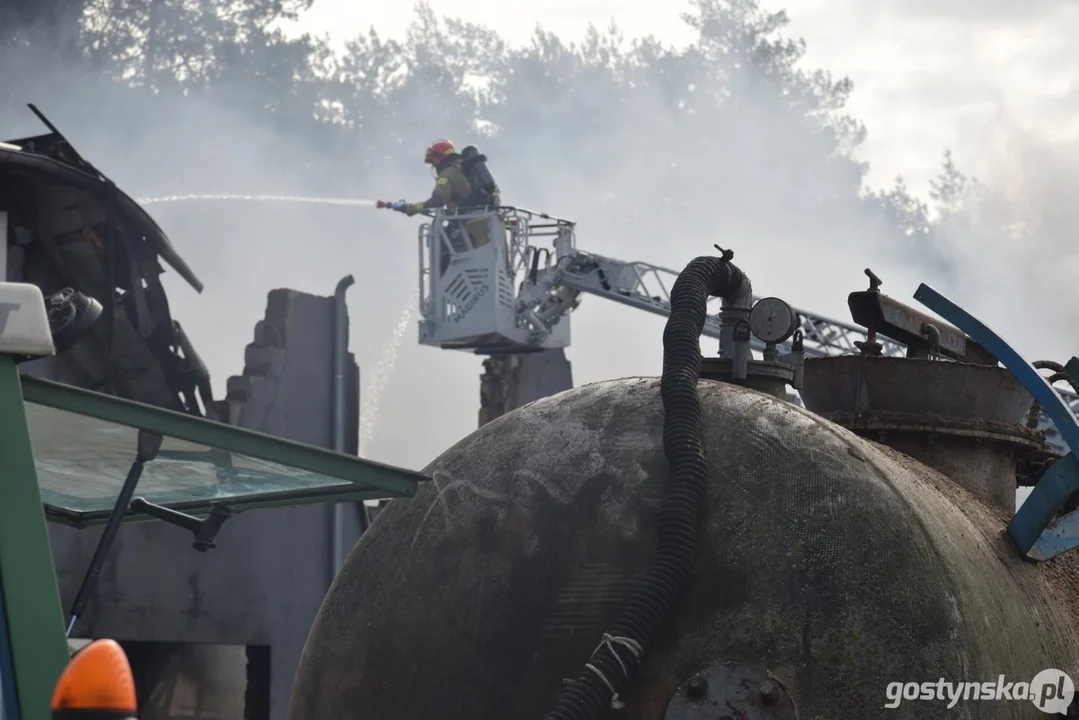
(455, 190)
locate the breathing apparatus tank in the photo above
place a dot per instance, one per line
(681, 549)
(479, 175)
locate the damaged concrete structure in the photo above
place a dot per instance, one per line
(227, 625)
(512, 381)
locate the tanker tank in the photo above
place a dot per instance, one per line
(821, 567)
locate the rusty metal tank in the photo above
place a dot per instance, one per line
(964, 420)
(828, 566)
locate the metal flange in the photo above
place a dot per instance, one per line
(731, 692)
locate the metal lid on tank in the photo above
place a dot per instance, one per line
(922, 335)
(947, 403)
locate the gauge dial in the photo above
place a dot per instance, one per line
(773, 320)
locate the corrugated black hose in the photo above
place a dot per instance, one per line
(615, 661)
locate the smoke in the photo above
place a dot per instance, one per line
(645, 168)
(994, 81)
(1019, 242)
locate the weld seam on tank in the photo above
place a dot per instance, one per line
(614, 662)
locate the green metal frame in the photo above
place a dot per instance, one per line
(31, 596)
(392, 481)
(236, 503)
(369, 480)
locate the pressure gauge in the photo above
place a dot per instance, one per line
(772, 320)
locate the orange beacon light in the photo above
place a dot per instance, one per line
(96, 685)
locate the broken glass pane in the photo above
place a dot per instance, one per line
(82, 461)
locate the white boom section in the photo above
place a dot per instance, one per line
(645, 286)
(510, 296)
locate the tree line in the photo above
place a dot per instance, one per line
(740, 84)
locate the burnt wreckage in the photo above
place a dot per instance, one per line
(69, 226)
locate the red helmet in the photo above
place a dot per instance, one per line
(439, 151)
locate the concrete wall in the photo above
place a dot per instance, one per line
(540, 375)
(512, 381)
(265, 581)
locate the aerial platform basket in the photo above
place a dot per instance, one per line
(476, 297)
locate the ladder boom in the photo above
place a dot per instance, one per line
(511, 296)
(647, 287)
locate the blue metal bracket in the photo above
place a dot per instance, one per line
(1036, 530)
